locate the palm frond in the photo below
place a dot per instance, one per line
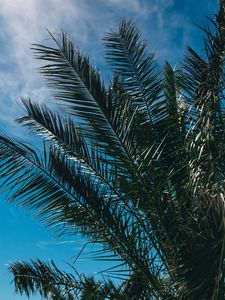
(45, 279)
(52, 283)
(204, 83)
(172, 126)
(69, 138)
(128, 56)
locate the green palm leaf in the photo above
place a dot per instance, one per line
(44, 279)
(127, 55)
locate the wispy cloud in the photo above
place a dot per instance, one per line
(24, 21)
(47, 243)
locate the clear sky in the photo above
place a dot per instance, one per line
(166, 24)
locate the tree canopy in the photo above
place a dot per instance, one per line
(137, 165)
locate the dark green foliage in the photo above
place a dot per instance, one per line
(137, 166)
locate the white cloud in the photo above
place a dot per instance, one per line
(135, 6)
(24, 21)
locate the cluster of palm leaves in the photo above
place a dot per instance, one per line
(136, 165)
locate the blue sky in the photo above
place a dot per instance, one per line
(166, 24)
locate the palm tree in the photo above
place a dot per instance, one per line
(136, 165)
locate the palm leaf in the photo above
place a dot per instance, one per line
(127, 55)
(45, 279)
